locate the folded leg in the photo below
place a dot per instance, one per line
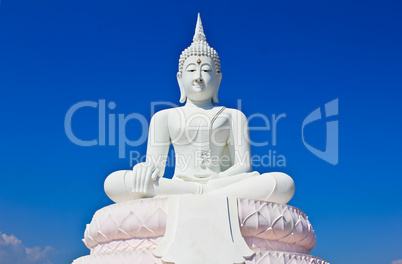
(118, 187)
(272, 187)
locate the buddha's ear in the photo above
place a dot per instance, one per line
(183, 96)
(215, 97)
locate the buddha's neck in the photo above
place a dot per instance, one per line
(201, 104)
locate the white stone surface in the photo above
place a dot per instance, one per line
(213, 220)
(219, 212)
(137, 219)
(146, 257)
(265, 226)
(132, 230)
(211, 143)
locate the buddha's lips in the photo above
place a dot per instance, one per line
(198, 85)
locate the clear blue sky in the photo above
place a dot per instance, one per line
(278, 57)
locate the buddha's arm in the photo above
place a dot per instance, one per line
(157, 150)
(239, 145)
(158, 141)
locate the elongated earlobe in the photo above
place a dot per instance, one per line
(215, 97)
(183, 96)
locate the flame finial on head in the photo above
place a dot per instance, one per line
(199, 47)
(199, 31)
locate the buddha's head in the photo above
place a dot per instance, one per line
(199, 73)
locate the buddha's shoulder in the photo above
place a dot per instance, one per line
(166, 113)
(234, 113)
(160, 117)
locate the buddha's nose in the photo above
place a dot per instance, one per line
(198, 76)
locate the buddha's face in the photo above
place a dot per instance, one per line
(199, 80)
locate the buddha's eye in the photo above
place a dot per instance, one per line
(191, 68)
(206, 68)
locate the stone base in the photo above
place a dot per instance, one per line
(129, 232)
(146, 257)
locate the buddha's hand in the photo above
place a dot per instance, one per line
(144, 172)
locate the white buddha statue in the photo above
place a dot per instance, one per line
(211, 143)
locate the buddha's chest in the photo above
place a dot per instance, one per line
(201, 129)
